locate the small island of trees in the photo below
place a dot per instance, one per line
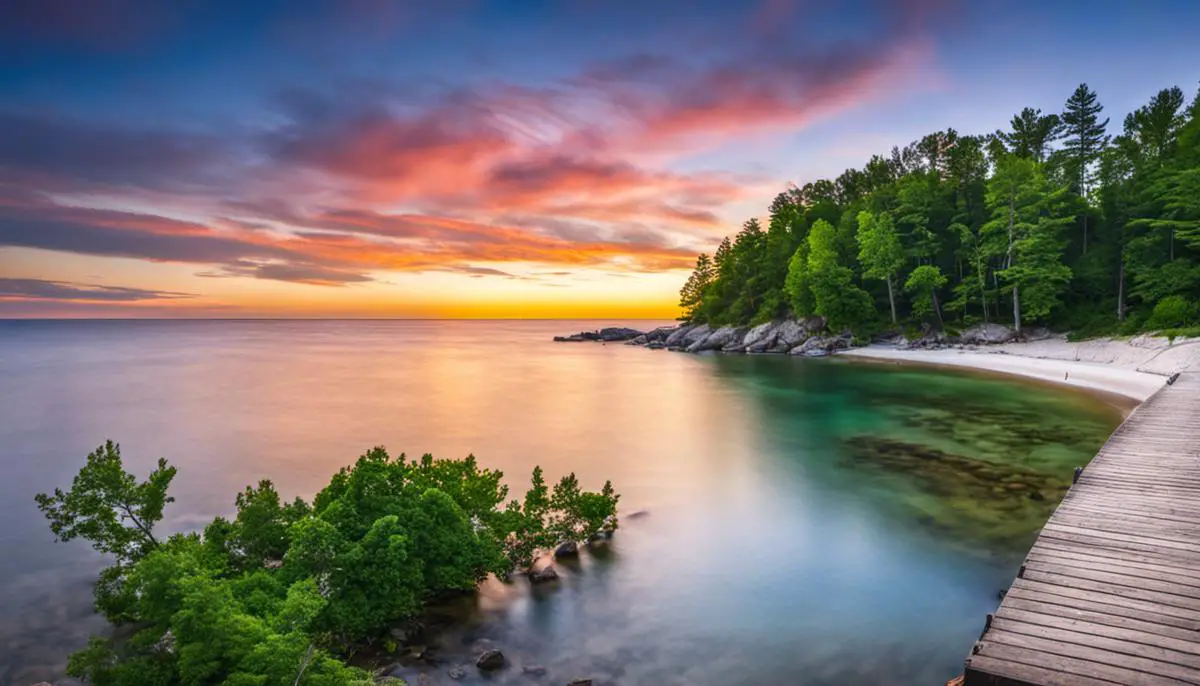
(282, 592)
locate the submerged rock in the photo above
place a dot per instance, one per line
(579, 682)
(457, 673)
(490, 660)
(533, 670)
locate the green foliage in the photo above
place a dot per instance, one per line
(107, 506)
(271, 597)
(1173, 312)
(1047, 221)
(879, 251)
(923, 283)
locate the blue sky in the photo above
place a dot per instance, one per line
(473, 158)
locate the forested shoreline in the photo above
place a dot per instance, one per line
(284, 592)
(1053, 222)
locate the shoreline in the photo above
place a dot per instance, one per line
(1121, 385)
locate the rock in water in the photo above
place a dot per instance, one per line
(542, 572)
(675, 338)
(490, 660)
(457, 673)
(579, 682)
(693, 335)
(567, 549)
(534, 670)
(618, 333)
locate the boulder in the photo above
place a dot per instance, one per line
(656, 345)
(490, 660)
(820, 346)
(675, 338)
(1037, 333)
(717, 339)
(760, 337)
(579, 682)
(793, 332)
(985, 334)
(640, 340)
(542, 571)
(694, 334)
(573, 338)
(567, 549)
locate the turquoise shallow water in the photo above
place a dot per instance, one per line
(810, 521)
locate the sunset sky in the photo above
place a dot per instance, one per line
(464, 158)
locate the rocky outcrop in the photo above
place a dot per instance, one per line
(778, 336)
(689, 337)
(717, 339)
(606, 335)
(490, 660)
(987, 334)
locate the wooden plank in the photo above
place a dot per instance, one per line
(1101, 637)
(1074, 666)
(1125, 576)
(981, 667)
(1105, 657)
(1040, 605)
(1089, 560)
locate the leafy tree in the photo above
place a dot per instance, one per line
(835, 296)
(107, 506)
(880, 251)
(924, 282)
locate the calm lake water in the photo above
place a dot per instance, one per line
(810, 521)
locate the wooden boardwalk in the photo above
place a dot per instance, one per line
(1110, 592)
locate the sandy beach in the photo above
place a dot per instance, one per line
(1132, 368)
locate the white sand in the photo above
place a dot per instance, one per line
(1133, 368)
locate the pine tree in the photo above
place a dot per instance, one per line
(1032, 133)
(1085, 140)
